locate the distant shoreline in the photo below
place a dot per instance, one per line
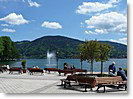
(46, 58)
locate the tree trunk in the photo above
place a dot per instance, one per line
(91, 66)
(101, 68)
(81, 64)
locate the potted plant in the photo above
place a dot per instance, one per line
(23, 63)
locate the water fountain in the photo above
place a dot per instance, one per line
(51, 59)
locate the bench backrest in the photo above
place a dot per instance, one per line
(65, 71)
(71, 77)
(15, 69)
(108, 80)
(86, 79)
(79, 70)
(51, 69)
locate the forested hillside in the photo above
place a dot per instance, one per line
(67, 47)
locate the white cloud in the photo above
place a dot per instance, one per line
(121, 40)
(111, 22)
(53, 25)
(8, 30)
(4, 25)
(14, 19)
(82, 25)
(88, 7)
(101, 31)
(114, 1)
(33, 4)
(90, 32)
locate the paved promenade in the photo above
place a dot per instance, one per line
(47, 83)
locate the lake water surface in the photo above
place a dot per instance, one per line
(42, 63)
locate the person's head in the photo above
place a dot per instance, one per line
(120, 68)
(113, 63)
(65, 64)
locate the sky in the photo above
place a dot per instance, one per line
(104, 20)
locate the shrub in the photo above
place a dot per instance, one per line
(125, 69)
(23, 63)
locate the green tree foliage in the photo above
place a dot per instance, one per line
(125, 69)
(67, 47)
(103, 54)
(89, 51)
(1, 47)
(95, 51)
(23, 63)
(8, 50)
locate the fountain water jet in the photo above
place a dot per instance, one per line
(51, 59)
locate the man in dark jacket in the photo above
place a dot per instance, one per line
(112, 68)
(122, 74)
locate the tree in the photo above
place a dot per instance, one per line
(1, 47)
(15, 54)
(89, 51)
(103, 54)
(8, 49)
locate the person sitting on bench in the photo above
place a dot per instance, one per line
(122, 74)
(65, 66)
(112, 67)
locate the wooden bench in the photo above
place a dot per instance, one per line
(11, 70)
(86, 82)
(66, 72)
(51, 69)
(4, 68)
(91, 82)
(80, 70)
(110, 81)
(70, 79)
(1, 70)
(35, 70)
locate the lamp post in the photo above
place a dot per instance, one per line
(57, 53)
(81, 60)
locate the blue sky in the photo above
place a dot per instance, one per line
(80, 19)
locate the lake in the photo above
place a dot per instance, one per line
(42, 63)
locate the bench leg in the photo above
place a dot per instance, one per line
(125, 87)
(85, 88)
(91, 89)
(69, 84)
(61, 83)
(99, 86)
(64, 84)
(118, 87)
(59, 73)
(104, 89)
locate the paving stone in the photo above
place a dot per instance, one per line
(47, 83)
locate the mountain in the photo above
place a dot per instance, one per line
(67, 47)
